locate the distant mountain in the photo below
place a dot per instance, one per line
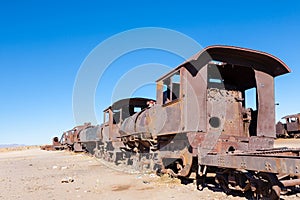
(11, 145)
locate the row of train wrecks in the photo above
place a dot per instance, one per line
(200, 123)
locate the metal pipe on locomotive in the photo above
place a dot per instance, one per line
(201, 123)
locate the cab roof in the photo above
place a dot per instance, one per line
(128, 101)
(231, 55)
(290, 116)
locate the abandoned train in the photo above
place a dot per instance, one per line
(213, 113)
(290, 128)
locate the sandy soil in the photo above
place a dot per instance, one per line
(291, 143)
(37, 174)
(18, 148)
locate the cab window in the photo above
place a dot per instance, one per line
(116, 116)
(106, 116)
(171, 88)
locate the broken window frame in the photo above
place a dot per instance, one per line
(169, 92)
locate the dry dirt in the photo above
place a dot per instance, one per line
(291, 143)
(36, 174)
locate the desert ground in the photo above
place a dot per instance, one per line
(31, 173)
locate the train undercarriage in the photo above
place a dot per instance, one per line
(250, 173)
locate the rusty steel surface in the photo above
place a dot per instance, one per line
(264, 163)
(91, 133)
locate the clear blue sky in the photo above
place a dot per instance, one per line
(43, 44)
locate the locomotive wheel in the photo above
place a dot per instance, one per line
(77, 147)
(222, 180)
(268, 187)
(184, 169)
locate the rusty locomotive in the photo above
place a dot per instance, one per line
(202, 122)
(290, 128)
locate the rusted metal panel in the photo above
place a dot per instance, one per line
(281, 130)
(156, 120)
(233, 118)
(105, 131)
(128, 125)
(260, 143)
(90, 134)
(159, 92)
(173, 119)
(215, 143)
(262, 163)
(293, 126)
(194, 102)
(266, 105)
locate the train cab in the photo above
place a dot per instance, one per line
(114, 117)
(290, 127)
(223, 94)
